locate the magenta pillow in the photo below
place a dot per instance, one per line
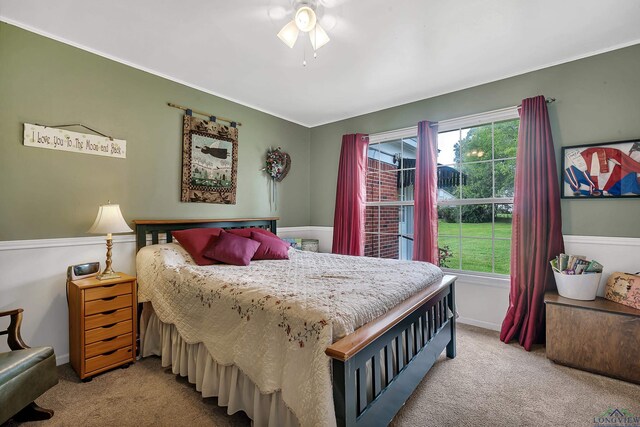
(270, 247)
(231, 249)
(195, 240)
(246, 232)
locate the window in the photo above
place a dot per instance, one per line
(476, 172)
(389, 211)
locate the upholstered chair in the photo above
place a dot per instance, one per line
(25, 373)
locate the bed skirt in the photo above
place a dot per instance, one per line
(229, 384)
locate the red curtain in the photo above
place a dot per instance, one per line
(351, 194)
(537, 226)
(425, 219)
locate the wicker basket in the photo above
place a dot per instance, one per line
(311, 245)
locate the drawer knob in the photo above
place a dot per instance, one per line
(109, 299)
(109, 312)
(109, 326)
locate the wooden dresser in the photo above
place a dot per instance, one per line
(599, 336)
(102, 324)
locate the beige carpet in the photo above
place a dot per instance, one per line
(489, 383)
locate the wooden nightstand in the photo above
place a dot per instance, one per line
(102, 324)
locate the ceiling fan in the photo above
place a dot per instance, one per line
(304, 19)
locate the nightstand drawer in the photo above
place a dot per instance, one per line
(107, 304)
(107, 318)
(107, 291)
(100, 347)
(105, 332)
(108, 359)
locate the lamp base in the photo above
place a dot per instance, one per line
(107, 275)
(108, 272)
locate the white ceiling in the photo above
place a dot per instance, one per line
(382, 53)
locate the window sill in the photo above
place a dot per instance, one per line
(483, 279)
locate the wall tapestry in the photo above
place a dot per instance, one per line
(54, 138)
(209, 161)
(601, 171)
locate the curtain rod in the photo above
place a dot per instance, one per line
(202, 113)
(548, 100)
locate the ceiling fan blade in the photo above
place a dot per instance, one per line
(318, 37)
(329, 21)
(277, 12)
(289, 34)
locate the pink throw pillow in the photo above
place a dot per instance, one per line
(270, 247)
(231, 249)
(246, 232)
(195, 240)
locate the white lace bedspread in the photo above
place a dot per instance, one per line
(274, 319)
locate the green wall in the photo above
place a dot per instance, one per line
(598, 100)
(44, 193)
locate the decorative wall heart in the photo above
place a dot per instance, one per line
(285, 167)
(278, 164)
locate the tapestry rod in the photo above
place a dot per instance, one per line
(549, 101)
(202, 113)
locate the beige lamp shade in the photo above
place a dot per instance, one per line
(109, 220)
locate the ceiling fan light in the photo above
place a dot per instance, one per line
(305, 19)
(289, 34)
(318, 37)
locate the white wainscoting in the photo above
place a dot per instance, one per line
(323, 234)
(33, 276)
(483, 301)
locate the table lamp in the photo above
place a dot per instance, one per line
(109, 221)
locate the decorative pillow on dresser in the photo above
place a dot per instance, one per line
(624, 288)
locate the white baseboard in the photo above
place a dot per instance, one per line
(479, 323)
(62, 359)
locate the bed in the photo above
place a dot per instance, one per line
(294, 342)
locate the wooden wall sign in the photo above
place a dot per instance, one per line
(65, 140)
(209, 161)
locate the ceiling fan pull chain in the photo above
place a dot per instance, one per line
(315, 43)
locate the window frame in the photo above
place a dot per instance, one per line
(376, 139)
(459, 123)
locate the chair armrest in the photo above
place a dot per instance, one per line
(13, 331)
(11, 312)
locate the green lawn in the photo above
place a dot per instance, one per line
(476, 245)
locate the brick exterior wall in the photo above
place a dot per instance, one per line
(385, 186)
